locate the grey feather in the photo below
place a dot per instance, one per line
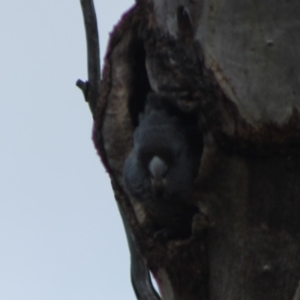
(163, 163)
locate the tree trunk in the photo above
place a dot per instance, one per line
(236, 65)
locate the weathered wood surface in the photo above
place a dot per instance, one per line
(236, 66)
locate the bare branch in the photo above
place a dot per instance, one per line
(140, 275)
(91, 88)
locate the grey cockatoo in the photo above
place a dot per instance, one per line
(161, 168)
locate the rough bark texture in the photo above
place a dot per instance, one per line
(236, 66)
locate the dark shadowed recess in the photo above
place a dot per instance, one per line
(140, 82)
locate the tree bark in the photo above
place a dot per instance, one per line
(236, 66)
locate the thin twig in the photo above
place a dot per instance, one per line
(140, 276)
(91, 88)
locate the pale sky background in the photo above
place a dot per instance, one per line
(61, 236)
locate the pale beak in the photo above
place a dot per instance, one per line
(158, 169)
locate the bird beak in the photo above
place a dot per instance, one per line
(158, 169)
